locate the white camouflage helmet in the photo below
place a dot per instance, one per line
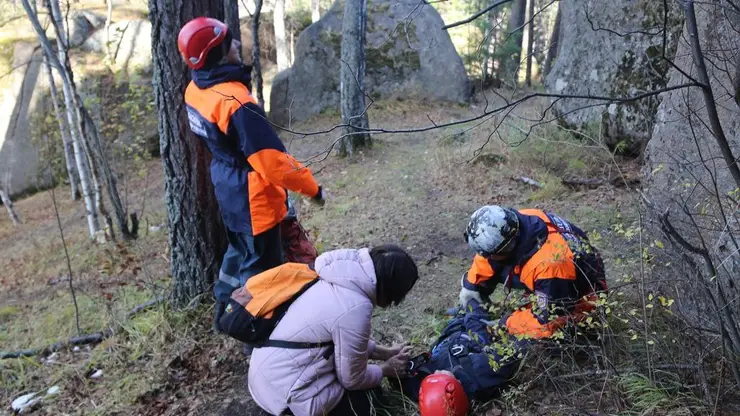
(492, 229)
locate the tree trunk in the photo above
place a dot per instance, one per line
(89, 131)
(530, 44)
(92, 214)
(281, 40)
(231, 18)
(256, 64)
(69, 153)
(108, 19)
(315, 11)
(352, 78)
(736, 82)
(515, 31)
(552, 49)
(709, 100)
(9, 206)
(196, 234)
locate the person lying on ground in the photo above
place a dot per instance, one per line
(328, 371)
(541, 253)
(251, 169)
(471, 360)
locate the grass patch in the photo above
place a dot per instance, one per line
(552, 189)
(552, 149)
(53, 319)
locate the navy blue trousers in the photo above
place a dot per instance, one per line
(247, 256)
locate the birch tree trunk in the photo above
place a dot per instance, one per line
(256, 64)
(91, 211)
(108, 19)
(352, 78)
(530, 43)
(281, 40)
(196, 234)
(315, 11)
(89, 132)
(9, 206)
(69, 152)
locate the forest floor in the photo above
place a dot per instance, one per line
(416, 190)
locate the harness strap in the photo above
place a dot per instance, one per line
(292, 345)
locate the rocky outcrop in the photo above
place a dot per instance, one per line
(130, 44)
(406, 58)
(612, 49)
(81, 25)
(20, 166)
(687, 177)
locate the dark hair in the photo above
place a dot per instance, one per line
(396, 273)
(217, 54)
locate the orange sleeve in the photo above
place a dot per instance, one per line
(523, 323)
(480, 271)
(281, 169)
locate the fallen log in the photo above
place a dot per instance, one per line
(86, 339)
(588, 182)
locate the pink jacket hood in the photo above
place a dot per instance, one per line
(338, 308)
(351, 269)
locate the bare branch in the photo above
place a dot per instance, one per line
(672, 233)
(477, 15)
(706, 87)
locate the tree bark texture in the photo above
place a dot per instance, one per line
(515, 32)
(281, 39)
(530, 43)
(55, 61)
(67, 143)
(9, 206)
(315, 11)
(552, 49)
(256, 64)
(197, 240)
(231, 18)
(352, 78)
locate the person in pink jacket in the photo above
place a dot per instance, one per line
(337, 379)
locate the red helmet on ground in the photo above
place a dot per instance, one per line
(442, 395)
(198, 37)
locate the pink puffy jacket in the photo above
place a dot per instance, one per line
(337, 308)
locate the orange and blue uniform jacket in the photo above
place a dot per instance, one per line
(553, 261)
(251, 168)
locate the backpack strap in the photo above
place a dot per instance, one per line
(292, 345)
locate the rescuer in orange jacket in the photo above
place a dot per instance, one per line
(251, 168)
(540, 253)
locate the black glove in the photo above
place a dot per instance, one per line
(218, 312)
(320, 198)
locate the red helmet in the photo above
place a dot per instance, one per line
(442, 395)
(198, 37)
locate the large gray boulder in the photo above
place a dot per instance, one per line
(613, 49)
(20, 166)
(130, 44)
(406, 58)
(686, 172)
(81, 25)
